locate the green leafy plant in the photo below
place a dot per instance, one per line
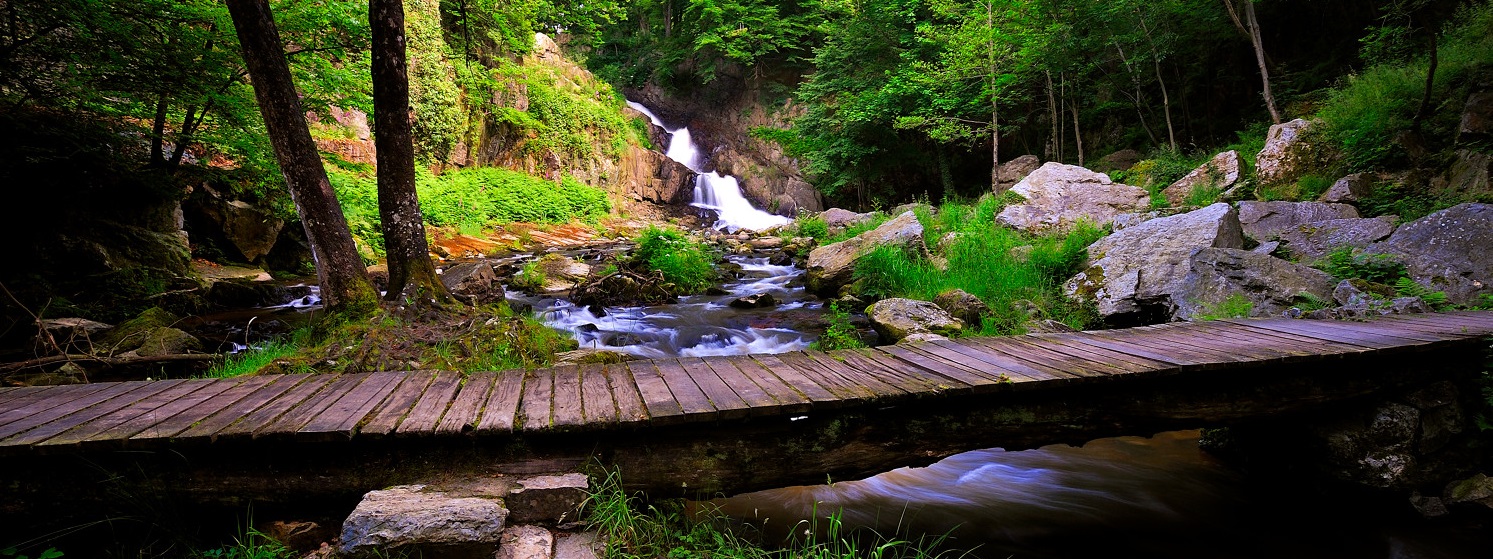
(250, 545)
(1350, 263)
(1233, 306)
(530, 277)
(1406, 287)
(840, 334)
(687, 264)
(254, 358)
(13, 553)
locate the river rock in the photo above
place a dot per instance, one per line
(548, 499)
(1450, 250)
(559, 273)
(838, 217)
(1221, 173)
(1011, 172)
(1138, 274)
(1349, 190)
(962, 305)
(251, 230)
(472, 279)
(425, 520)
(1264, 221)
(831, 266)
(1477, 489)
(581, 545)
(1058, 196)
(67, 328)
(1286, 154)
(525, 542)
(895, 319)
(1312, 241)
(923, 337)
(1270, 283)
(754, 301)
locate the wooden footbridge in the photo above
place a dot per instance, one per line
(727, 423)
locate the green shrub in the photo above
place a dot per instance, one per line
(1350, 263)
(1234, 306)
(1312, 186)
(1406, 287)
(840, 334)
(687, 264)
(531, 277)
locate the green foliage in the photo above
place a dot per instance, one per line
(808, 225)
(1406, 287)
(840, 334)
(13, 553)
(1310, 187)
(1200, 195)
(251, 545)
(686, 263)
(1308, 302)
(1350, 263)
(1234, 306)
(530, 277)
(1401, 200)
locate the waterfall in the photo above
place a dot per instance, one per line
(713, 190)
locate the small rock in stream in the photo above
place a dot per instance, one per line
(755, 301)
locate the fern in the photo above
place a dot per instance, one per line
(1406, 287)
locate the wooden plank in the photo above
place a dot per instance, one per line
(46, 398)
(536, 406)
(502, 404)
(1136, 364)
(45, 411)
(630, 406)
(344, 415)
(93, 428)
(568, 404)
(657, 398)
(309, 409)
(1375, 328)
(1325, 347)
(233, 392)
(427, 412)
(981, 364)
(1190, 337)
(862, 379)
(758, 401)
(596, 395)
(911, 379)
(1301, 327)
(1436, 325)
(1195, 358)
(1070, 364)
(816, 394)
(93, 412)
(386, 417)
(843, 389)
(724, 398)
(272, 410)
(1163, 335)
(692, 400)
(1094, 339)
(166, 409)
(942, 367)
(462, 416)
(1017, 370)
(209, 426)
(1287, 351)
(790, 399)
(1109, 363)
(12, 393)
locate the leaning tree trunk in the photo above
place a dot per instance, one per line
(344, 281)
(1254, 38)
(411, 274)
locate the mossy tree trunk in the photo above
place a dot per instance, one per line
(412, 276)
(344, 281)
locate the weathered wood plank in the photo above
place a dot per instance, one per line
(89, 413)
(44, 411)
(843, 389)
(46, 398)
(1161, 336)
(1093, 339)
(1299, 327)
(977, 362)
(756, 399)
(568, 405)
(344, 415)
(1132, 364)
(1252, 354)
(657, 398)
(311, 408)
(724, 398)
(209, 426)
(789, 399)
(1376, 327)
(818, 395)
(176, 406)
(1193, 358)
(864, 379)
(427, 412)
(94, 427)
(462, 415)
(1285, 350)
(982, 375)
(502, 405)
(832, 372)
(910, 379)
(692, 400)
(11, 394)
(213, 403)
(257, 420)
(1324, 347)
(1013, 366)
(1069, 363)
(630, 406)
(387, 415)
(1436, 324)
(596, 395)
(538, 401)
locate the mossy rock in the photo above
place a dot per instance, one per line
(133, 333)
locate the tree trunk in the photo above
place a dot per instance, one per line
(1077, 134)
(1425, 99)
(1052, 113)
(1138, 98)
(158, 132)
(344, 281)
(995, 129)
(411, 274)
(1166, 101)
(1254, 38)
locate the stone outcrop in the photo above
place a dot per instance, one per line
(1269, 283)
(1011, 172)
(1477, 117)
(1287, 155)
(1139, 274)
(650, 176)
(1121, 160)
(1311, 241)
(1469, 173)
(1349, 189)
(838, 217)
(249, 229)
(426, 520)
(1450, 250)
(831, 266)
(1058, 196)
(1220, 173)
(895, 319)
(474, 280)
(1265, 221)
(556, 273)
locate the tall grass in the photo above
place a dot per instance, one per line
(254, 358)
(687, 264)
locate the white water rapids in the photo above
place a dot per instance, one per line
(713, 190)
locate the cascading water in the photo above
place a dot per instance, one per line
(713, 190)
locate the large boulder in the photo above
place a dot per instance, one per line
(1058, 196)
(251, 230)
(1139, 274)
(832, 266)
(1121, 160)
(1011, 172)
(1450, 250)
(1477, 118)
(1269, 283)
(895, 319)
(840, 217)
(1469, 174)
(1311, 241)
(1264, 221)
(474, 280)
(1220, 173)
(1287, 155)
(1349, 189)
(426, 520)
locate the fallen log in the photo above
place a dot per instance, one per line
(8, 369)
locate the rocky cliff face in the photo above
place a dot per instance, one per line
(721, 117)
